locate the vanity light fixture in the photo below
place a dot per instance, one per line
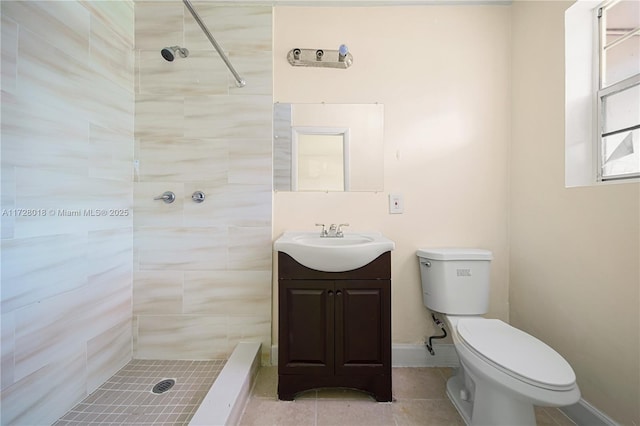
(324, 58)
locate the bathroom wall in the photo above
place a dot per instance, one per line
(575, 252)
(202, 279)
(67, 193)
(442, 73)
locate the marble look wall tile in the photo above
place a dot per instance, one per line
(282, 116)
(110, 56)
(40, 267)
(227, 116)
(7, 199)
(235, 28)
(7, 348)
(182, 248)
(250, 248)
(250, 328)
(26, 145)
(256, 69)
(250, 161)
(60, 326)
(9, 53)
(68, 113)
(250, 205)
(158, 24)
(228, 205)
(182, 107)
(182, 337)
(64, 25)
(51, 74)
(213, 211)
(44, 396)
(71, 204)
(150, 212)
(109, 257)
(202, 72)
(159, 116)
(228, 292)
(110, 154)
(108, 352)
(183, 160)
(119, 16)
(110, 105)
(157, 293)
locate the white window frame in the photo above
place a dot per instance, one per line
(582, 74)
(601, 91)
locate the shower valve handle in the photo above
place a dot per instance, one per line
(168, 197)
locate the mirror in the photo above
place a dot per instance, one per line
(328, 147)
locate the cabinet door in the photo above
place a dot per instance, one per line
(363, 327)
(306, 322)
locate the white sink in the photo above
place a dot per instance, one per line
(333, 254)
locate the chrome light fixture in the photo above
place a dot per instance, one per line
(324, 58)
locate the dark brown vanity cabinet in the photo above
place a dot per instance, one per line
(334, 328)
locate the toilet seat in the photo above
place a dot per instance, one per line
(516, 353)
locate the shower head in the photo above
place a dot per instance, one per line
(169, 53)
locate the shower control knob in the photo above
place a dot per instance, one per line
(198, 196)
(167, 196)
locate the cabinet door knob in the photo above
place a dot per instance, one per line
(338, 293)
(330, 292)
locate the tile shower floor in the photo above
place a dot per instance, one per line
(127, 398)
(419, 399)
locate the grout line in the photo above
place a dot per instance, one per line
(128, 394)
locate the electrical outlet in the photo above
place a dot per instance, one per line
(396, 203)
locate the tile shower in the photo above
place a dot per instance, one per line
(202, 272)
(94, 119)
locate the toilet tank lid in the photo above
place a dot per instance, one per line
(454, 254)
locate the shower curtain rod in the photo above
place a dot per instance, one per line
(239, 80)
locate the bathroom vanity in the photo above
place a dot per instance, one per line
(334, 328)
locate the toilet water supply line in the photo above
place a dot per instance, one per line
(444, 334)
(239, 80)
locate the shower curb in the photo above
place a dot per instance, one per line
(225, 400)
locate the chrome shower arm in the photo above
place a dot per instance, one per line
(239, 80)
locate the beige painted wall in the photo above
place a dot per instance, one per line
(574, 253)
(442, 74)
(67, 147)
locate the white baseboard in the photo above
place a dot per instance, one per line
(583, 413)
(410, 355)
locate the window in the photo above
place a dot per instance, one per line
(618, 90)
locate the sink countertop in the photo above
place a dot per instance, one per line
(333, 254)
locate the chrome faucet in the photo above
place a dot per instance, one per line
(339, 232)
(323, 232)
(334, 231)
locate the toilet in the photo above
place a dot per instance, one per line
(503, 371)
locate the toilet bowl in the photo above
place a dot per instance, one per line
(503, 371)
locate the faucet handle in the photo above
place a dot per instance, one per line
(339, 232)
(323, 232)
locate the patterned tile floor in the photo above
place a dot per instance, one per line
(419, 399)
(127, 399)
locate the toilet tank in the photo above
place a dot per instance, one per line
(455, 280)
